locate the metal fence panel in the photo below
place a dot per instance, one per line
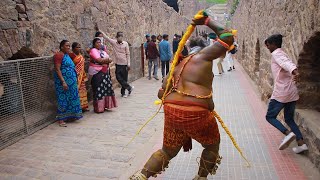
(27, 98)
(27, 95)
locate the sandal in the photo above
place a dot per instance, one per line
(62, 124)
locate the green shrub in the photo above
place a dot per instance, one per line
(234, 6)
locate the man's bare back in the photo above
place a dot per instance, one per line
(196, 77)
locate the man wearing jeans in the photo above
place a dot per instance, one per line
(285, 94)
(152, 54)
(122, 61)
(165, 55)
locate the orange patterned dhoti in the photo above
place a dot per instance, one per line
(186, 120)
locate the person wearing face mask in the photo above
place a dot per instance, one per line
(122, 61)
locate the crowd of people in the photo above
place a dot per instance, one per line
(186, 93)
(70, 76)
(158, 53)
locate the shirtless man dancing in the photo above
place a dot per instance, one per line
(189, 105)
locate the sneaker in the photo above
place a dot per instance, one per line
(229, 70)
(233, 67)
(124, 95)
(156, 78)
(300, 149)
(287, 140)
(130, 90)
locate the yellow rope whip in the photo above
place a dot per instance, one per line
(231, 137)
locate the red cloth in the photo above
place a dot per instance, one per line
(58, 57)
(107, 102)
(186, 103)
(183, 122)
(72, 55)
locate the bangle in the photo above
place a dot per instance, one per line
(206, 22)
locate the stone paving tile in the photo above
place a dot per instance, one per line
(95, 147)
(92, 148)
(256, 137)
(231, 105)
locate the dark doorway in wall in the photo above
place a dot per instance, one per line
(309, 69)
(173, 4)
(24, 53)
(257, 57)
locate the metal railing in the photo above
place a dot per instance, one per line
(27, 98)
(27, 94)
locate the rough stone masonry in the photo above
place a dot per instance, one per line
(299, 22)
(41, 24)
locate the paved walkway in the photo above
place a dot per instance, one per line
(94, 148)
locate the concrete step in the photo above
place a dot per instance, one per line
(309, 124)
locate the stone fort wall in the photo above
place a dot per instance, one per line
(41, 24)
(298, 21)
(35, 27)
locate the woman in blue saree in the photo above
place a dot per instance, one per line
(65, 80)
